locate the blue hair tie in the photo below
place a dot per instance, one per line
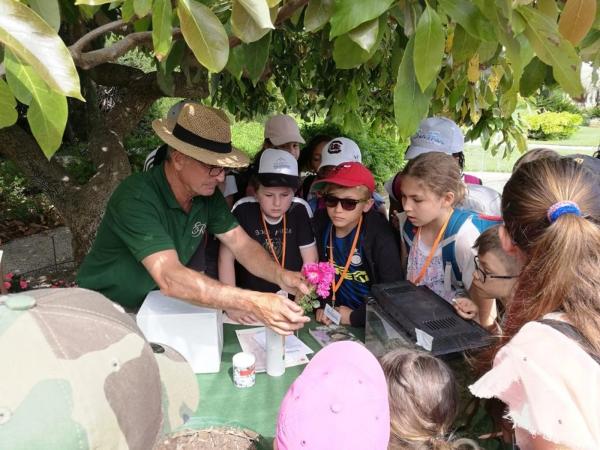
(560, 208)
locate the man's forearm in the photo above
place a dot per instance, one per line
(200, 289)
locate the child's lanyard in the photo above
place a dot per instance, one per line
(335, 286)
(270, 243)
(434, 247)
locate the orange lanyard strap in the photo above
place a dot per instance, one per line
(335, 286)
(434, 247)
(271, 248)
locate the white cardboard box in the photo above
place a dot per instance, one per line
(194, 331)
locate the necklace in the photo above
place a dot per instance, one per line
(434, 247)
(335, 286)
(270, 242)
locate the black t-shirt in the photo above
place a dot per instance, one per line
(298, 235)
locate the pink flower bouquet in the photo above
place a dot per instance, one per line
(320, 276)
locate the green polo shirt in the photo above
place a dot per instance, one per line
(143, 217)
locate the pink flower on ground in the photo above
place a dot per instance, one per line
(6, 285)
(23, 283)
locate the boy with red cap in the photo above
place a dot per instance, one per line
(358, 241)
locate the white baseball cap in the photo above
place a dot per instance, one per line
(278, 168)
(340, 150)
(281, 129)
(436, 134)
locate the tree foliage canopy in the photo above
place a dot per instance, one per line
(377, 63)
(381, 65)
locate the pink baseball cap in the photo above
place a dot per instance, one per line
(339, 401)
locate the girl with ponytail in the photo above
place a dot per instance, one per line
(546, 367)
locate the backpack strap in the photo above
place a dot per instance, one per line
(407, 231)
(572, 333)
(457, 220)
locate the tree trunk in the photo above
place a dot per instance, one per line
(82, 207)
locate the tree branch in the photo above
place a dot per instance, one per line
(284, 14)
(91, 59)
(87, 38)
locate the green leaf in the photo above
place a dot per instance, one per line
(347, 54)
(554, 50)
(250, 19)
(469, 17)
(486, 51)
(48, 10)
(92, 2)
(235, 64)
(18, 77)
(533, 77)
(127, 11)
(142, 24)
(259, 11)
(365, 35)
(47, 118)
(464, 45)
(290, 95)
(410, 103)
(256, 55)
(429, 47)
(204, 34)
(317, 14)
(590, 48)
(47, 113)
(548, 8)
(164, 78)
(8, 113)
(349, 14)
(457, 93)
(142, 7)
(244, 26)
(36, 43)
(161, 28)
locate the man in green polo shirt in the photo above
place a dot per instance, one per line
(155, 221)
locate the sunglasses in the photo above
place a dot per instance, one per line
(485, 275)
(349, 204)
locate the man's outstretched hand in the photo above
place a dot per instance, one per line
(278, 313)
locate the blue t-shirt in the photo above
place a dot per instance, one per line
(356, 282)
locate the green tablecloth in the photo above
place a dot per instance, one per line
(256, 407)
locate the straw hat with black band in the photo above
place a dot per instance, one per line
(203, 133)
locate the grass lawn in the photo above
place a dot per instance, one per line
(479, 160)
(585, 136)
(248, 136)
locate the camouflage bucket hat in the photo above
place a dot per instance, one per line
(77, 374)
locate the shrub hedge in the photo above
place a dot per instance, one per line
(552, 125)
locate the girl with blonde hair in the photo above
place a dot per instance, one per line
(546, 367)
(431, 188)
(423, 400)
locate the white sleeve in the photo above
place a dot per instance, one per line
(464, 251)
(230, 186)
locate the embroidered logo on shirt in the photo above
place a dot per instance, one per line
(198, 229)
(356, 259)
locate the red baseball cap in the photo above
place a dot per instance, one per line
(348, 174)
